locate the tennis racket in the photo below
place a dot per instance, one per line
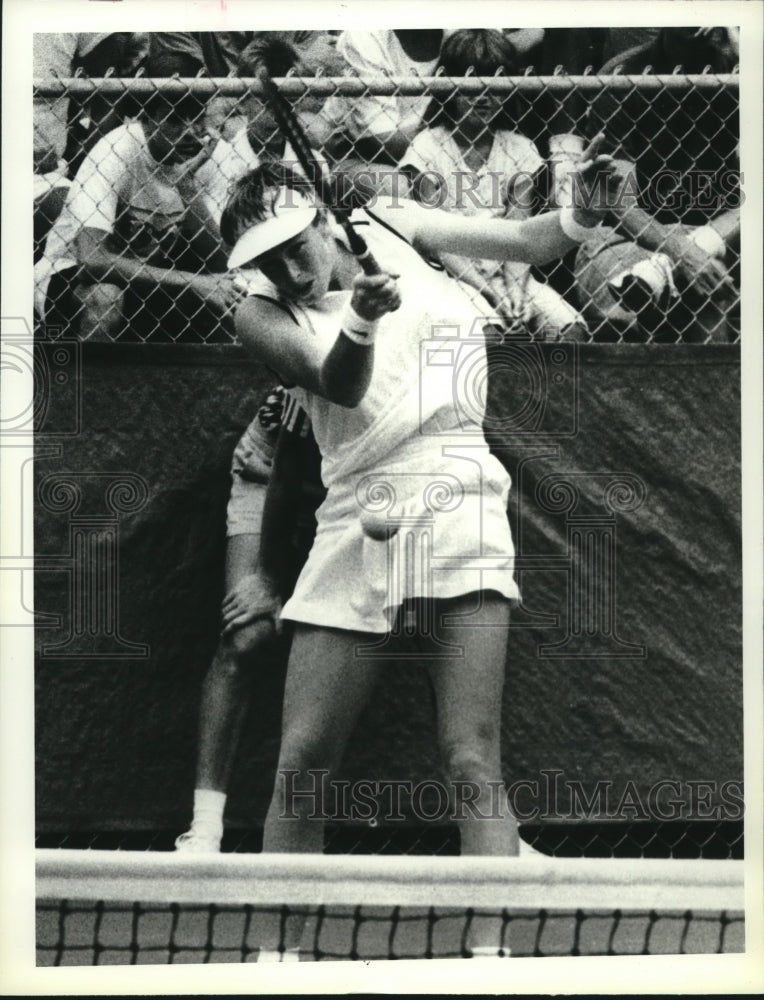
(290, 126)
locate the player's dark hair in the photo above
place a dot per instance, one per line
(250, 199)
(480, 52)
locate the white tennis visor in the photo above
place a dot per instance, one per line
(292, 212)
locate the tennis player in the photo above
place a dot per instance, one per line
(350, 346)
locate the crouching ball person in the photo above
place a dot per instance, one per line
(351, 346)
(257, 580)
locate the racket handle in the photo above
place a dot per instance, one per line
(360, 251)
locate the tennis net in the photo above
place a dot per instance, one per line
(130, 908)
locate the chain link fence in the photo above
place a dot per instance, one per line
(127, 248)
(718, 839)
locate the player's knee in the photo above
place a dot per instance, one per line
(307, 751)
(247, 644)
(100, 311)
(472, 759)
(225, 667)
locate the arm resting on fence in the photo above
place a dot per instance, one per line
(99, 264)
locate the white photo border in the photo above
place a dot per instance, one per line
(664, 974)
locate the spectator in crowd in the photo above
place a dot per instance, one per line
(255, 589)
(137, 243)
(255, 123)
(471, 159)
(65, 128)
(372, 133)
(215, 52)
(668, 267)
(219, 53)
(552, 119)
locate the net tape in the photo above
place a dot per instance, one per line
(111, 907)
(467, 881)
(565, 97)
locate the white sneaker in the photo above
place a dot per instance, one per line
(196, 841)
(290, 955)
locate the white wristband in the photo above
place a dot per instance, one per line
(356, 328)
(706, 238)
(574, 230)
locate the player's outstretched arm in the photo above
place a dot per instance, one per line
(537, 240)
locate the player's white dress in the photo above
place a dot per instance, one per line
(413, 451)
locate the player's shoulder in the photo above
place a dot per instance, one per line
(261, 317)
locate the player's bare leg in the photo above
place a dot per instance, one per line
(227, 687)
(468, 695)
(225, 699)
(326, 688)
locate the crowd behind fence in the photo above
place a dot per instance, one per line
(132, 174)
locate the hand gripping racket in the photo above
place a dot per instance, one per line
(293, 131)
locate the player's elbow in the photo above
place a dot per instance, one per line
(349, 396)
(344, 378)
(343, 391)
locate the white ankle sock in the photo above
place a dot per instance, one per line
(208, 809)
